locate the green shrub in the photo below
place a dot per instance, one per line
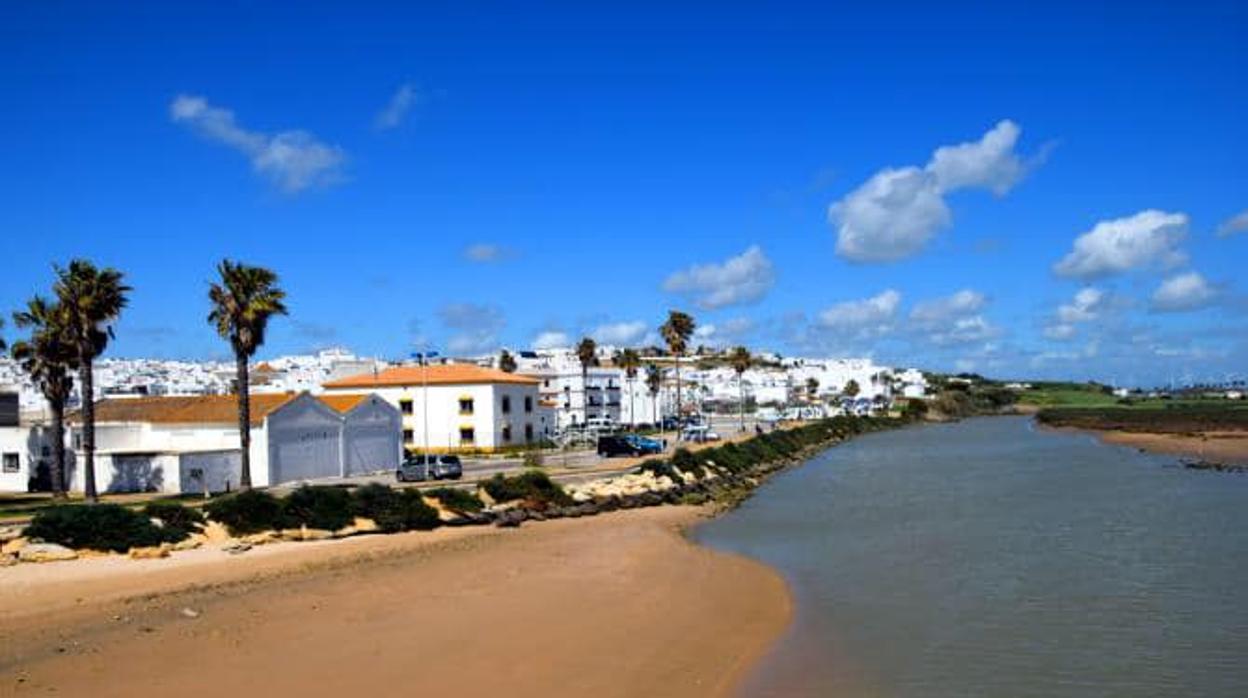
(418, 516)
(179, 521)
(106, 527)
(327, 508)
(457, 500)
(393, 510)
(658, 468)
(249, 511)
(532, 486)
(684, 459)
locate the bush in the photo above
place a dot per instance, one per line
(250, 511)
(532, 486)
(658, 468)
(418, 516)
(106, 527)
(688, 463)
(327, 508)
(393, 510)
(457, 500)
(179, 521)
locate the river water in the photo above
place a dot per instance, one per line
(991, 558)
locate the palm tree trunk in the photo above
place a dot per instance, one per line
(58, 449)
(243, 391)
(86, 380)
(678, 415)
(585, 393)
(741, 402)
(632, 406)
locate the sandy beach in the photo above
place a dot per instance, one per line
(616, 605)
(1223, 447)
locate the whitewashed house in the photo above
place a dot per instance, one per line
(190, 444)
(457, 408)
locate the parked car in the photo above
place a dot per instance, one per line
(610, 446)
(412, 469)
(445, 468)
(670, 423)
(646, 446)
(600, 424)
(699, 433)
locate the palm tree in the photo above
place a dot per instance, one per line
(851, 388)
(741, 360)
(49, 361)
(91, 299)
(654, 382)
(587, 352)
(630, 361)
(242, 304)
(812, 388)
(506, 362)
(676, 332)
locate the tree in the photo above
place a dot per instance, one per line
(676, 332)
(91, 300)
(654, 382)
(587, 352)
(851, 388)
(630, 361)
(242, 304)
(812, 388)
(740, 360)
(49, 360)
(506, 362)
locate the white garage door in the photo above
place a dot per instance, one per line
(217, 471)
(371, 449)
(303, 454)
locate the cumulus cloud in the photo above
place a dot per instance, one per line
(742, 279)
(475, 327)
(1086, 306)
(954, 319)
(620, 333)
(400, 103)
(551, 340)
(484, 252)
(293, 160)
(1188, 291)
(872, 316)
(897, 211)
(1235, 224)
(1149, 238)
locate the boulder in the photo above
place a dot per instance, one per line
(45, 552)
(236, 547)
(295, 534)
(8, 533)
(190, 543)
(216, 533)
(363, 525)
(316, 534)
(8, 560)
(261, 538)
(13, 545)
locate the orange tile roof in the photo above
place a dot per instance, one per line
(192, 409)
(439, 374)
(343, 402)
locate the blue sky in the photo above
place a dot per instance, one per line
(1054, 191)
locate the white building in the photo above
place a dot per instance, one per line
(458, 408)
(190, 443)
(604, 391)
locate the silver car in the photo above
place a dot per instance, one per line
(413, 469)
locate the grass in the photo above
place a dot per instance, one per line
(1161, 417)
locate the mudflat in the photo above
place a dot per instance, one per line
(1229, 447)
(615, 605)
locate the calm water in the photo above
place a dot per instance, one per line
(987, 558)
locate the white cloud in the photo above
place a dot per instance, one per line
(484, 252)
(966, 330)
(1188, 291)
(620, 333)
(989, 162)
(897, 211)
(1086, 306)
(891, 216)
(1148, 239)
(742, 279)
(551, 340)
(402, 101)
(962, 303)
(867, 317)
(1235, 224)
(476, 327)
(294, 160)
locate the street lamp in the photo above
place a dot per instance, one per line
(423, 357)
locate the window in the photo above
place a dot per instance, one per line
(506, 404)
(408, 436)
(405, 406)
(465, 405)
(528, 404)
(11, 463)
(467, 436)
(528, 433)
(507, 433)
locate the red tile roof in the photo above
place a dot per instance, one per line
(192, 409)
(439, 374)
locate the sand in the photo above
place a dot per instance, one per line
(1222, 447)
(615, 605)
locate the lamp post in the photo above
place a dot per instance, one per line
(423, 357)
